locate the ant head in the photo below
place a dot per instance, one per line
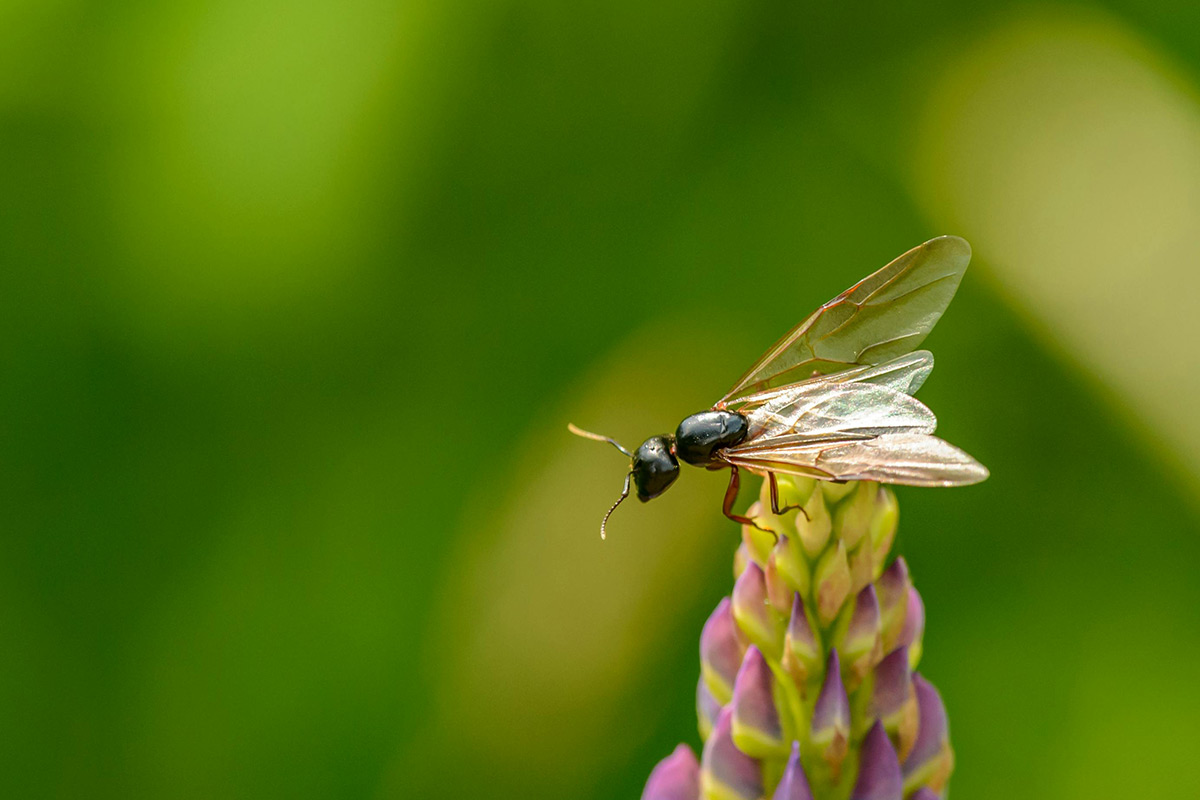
(655, 467)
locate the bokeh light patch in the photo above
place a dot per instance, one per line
(1068, 149)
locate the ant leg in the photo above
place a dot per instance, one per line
(731, 493)
(775, 509)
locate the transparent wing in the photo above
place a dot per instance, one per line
(910, 459)
(904, 374)
(885, 315)
(833, 410)
(859, 424)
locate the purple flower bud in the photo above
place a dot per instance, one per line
(831, 715)
(802, 653)
(707, 708)
(761, 624)
(893, 587)
(914, 618)
(721, 651)
(894, 700)
(794, 784)
(893, 685)
(895, 578)
(914, 626)
(894, 582)
(860, 646)
(879, 775)
(757, 729)
(676, 777)
(832, 710)
(725, 770)
(932, 730)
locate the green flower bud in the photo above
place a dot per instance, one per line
(831, 581)
(882, 528)
(758, 542)
(791, 564)
(793, 491)
(757, 620)
(835, 492)
(814, 526)
(779, 593)
(862, 566)
(854, 514)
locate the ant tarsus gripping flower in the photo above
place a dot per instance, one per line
(808, 688)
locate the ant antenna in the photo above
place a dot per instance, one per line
(621, 499)
(599, 438)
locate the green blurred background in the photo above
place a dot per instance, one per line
(296, 299)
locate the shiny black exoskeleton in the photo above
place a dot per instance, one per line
(700, 436)
(696, 441)
(654, 467)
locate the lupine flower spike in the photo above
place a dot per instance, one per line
(808, 688)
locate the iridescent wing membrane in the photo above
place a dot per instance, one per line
(856, 418)
(885, 315)
(842, 427)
